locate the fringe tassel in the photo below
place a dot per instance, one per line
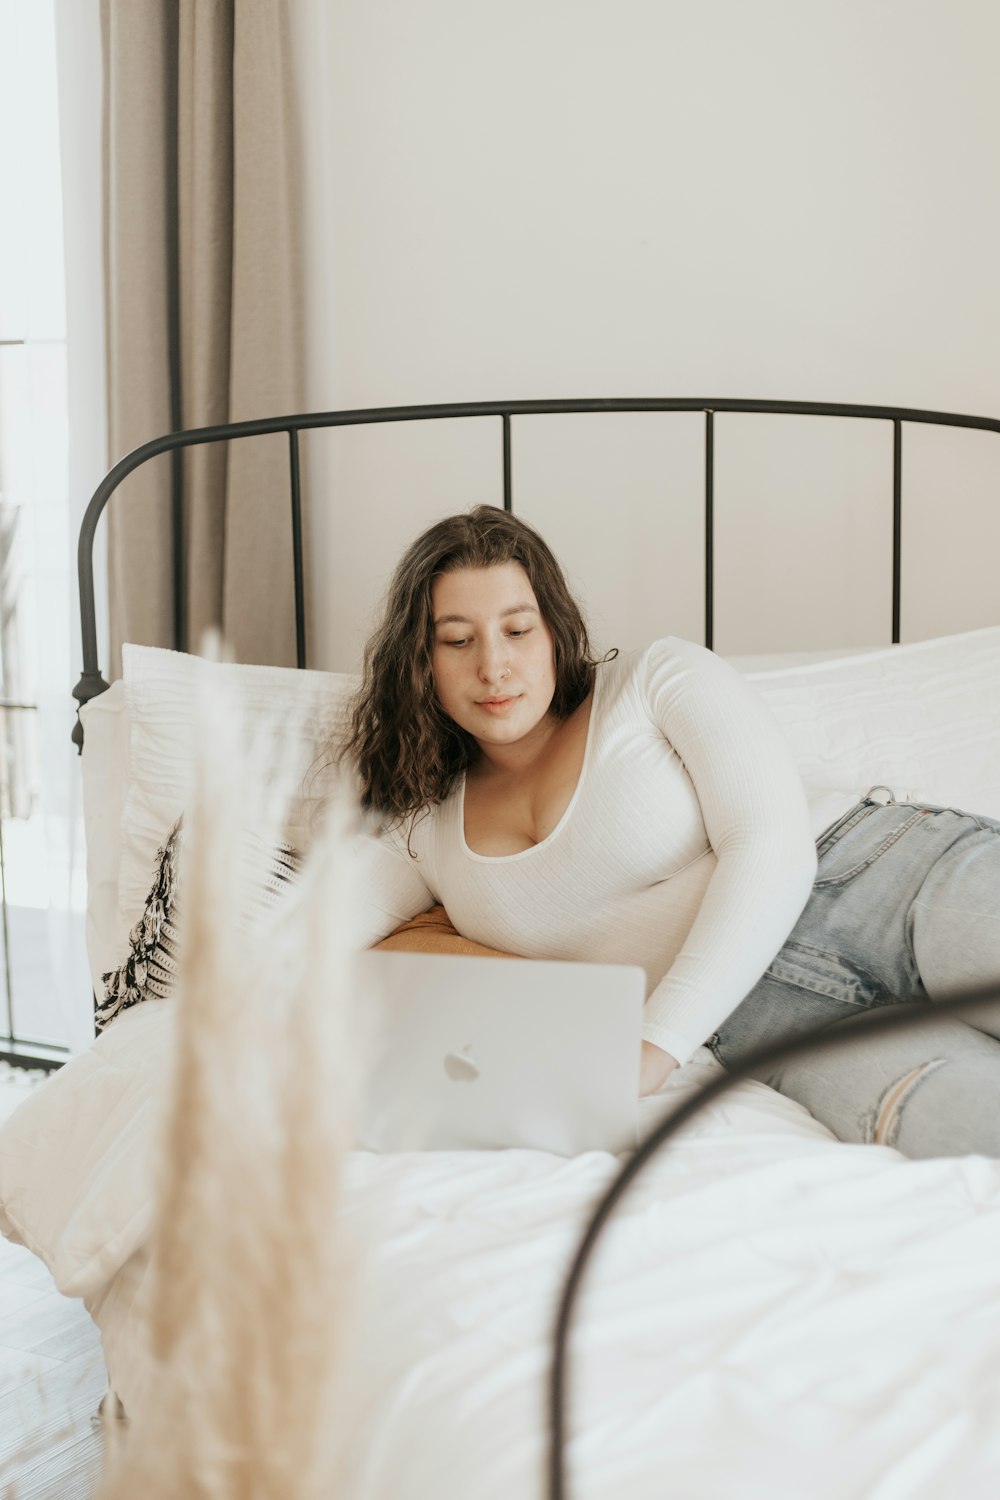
(150, 970)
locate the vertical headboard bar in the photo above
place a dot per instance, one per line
(508, 502)
(178, 546)
(897, 526)
(709, 527)
(300, 601)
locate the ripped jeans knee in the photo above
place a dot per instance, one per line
(928, 1091)
(881, 1125)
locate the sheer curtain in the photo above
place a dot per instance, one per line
(44, 971)
(202, 292)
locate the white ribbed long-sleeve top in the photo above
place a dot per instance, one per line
(686, 847)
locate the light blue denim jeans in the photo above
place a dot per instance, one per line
(906, 904)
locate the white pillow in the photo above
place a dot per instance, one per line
(77, 1157)
(923, 719)
(137, 753)
(161, 696)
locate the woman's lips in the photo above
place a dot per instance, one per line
(496, 705)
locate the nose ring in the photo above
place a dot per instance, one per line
(505, 672)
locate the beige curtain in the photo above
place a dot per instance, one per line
(203, 315)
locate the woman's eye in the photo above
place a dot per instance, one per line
(515, 635)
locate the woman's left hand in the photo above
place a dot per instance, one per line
(655, 1068)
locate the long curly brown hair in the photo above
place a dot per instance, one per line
(406, 750)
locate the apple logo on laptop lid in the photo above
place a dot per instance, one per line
(461, 1067)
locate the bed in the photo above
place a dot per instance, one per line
(771, 1312)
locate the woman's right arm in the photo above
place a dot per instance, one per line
(390, 887)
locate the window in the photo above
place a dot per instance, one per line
(43, 977)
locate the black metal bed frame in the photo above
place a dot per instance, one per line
(93, 683)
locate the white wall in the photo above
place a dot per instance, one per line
(555, 198)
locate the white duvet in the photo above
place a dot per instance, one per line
(771, 1312)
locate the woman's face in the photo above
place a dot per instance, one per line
(493, 660)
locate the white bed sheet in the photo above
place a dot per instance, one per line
(771, 1313)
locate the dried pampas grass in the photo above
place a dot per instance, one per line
(249, 1311)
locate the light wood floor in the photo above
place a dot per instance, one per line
(52, 1375)
(52, 1379)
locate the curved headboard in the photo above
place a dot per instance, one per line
(92, 683)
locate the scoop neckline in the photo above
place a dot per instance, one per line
(498, 859)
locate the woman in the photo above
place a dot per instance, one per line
(646, 809)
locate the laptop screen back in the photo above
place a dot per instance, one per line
(472, 1053)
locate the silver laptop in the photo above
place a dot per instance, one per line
(470, 1053)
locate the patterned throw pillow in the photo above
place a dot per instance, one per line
(150, 969)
